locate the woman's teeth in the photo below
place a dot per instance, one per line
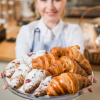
(51, 13)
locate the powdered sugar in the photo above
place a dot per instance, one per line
(29, 57)
(44, 83)
(11, 67)
(34, 77)
(43, 86)
(14, 82)
(40, 53)
(22, 70)
(18, 61)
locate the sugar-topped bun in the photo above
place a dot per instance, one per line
(41, 90)
(33, 80)
(29, 57)
(18, 77)
(12, 66)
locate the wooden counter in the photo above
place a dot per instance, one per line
(7, 49)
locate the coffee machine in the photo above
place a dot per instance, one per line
(76, 8)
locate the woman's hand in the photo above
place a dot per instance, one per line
(4, 86)
(1, 75)
(95, 80)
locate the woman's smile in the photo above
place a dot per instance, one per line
(51, 13)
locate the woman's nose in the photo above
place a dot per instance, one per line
(50, 5)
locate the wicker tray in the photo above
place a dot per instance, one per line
(93, 55)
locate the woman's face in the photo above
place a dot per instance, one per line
(50, 10)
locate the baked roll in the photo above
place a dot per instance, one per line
(65, 64)
(73, 52)
(67, 83)
(44, 61)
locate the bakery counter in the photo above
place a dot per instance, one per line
(7, 49)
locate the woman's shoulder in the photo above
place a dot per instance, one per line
(71, 25)
(72, 30)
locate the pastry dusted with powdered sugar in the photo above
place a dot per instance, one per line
(18, 77)
(33, 80)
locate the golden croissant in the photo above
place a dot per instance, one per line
(74, 53)
(67, 83)
(44, 62)
(65, 64)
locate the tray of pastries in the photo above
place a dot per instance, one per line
(64, 73)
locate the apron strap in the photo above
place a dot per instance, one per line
(36, 37)
(37, 34)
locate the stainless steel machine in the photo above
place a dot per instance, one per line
(75, 8)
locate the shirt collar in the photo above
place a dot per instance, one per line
(56, 30)
(42, 27)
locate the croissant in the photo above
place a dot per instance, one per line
(44, 61)
(67, 83)
(74, 53)
(65, 64)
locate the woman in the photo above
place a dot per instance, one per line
(48, 32)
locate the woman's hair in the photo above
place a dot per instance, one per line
(39, 16)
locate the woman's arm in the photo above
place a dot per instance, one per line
(77, 39)
(73, 36)
(22, 42)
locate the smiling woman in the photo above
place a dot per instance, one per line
(51, 6)
(50, 10)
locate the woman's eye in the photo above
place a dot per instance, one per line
(43, 0)
(53, 0)
(56, 0)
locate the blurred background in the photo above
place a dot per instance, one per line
(15, 13)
